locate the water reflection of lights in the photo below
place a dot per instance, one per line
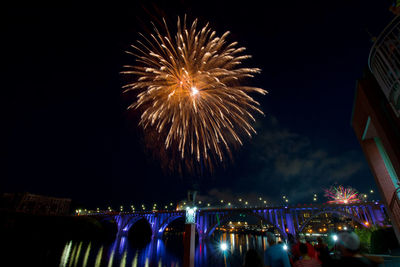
(135, 259)
(85, 258)
(110, 261)
(65, 255)
(73, 253)
(122, 244)
(76, 258)
(123, 260)
(98, 257)
(232, 241)
(156, 252)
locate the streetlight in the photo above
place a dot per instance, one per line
(335, 237)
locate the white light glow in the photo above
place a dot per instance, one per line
(335, 238)
(224, 246)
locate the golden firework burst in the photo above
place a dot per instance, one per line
(190, 92)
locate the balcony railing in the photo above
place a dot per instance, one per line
(384, 62)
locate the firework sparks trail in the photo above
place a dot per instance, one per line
(341, 195)
(189, 90)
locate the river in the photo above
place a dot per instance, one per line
(160, 252)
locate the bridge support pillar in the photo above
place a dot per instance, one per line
(188, 242)
(290, 224)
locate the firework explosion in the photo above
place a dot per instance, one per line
(189, 90)
(341, 195)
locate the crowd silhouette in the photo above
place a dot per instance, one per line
(302, 252)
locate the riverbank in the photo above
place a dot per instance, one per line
(30, 240)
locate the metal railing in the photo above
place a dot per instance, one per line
(384, 62)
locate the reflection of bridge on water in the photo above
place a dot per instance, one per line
(289, 219)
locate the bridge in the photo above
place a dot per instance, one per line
(286, 219)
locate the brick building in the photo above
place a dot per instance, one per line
(376, 120)
(35, 204)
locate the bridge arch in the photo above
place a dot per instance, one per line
(250, 213)
(134, 219)
(337, 212)
(167, 221)
(164, 224)
(138, 230)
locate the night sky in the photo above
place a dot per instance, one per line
(66, 131)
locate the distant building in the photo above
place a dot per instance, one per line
(35, 204)
(376, 120)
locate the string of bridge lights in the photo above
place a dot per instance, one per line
(240, 203)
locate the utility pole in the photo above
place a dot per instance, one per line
(190, 231)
